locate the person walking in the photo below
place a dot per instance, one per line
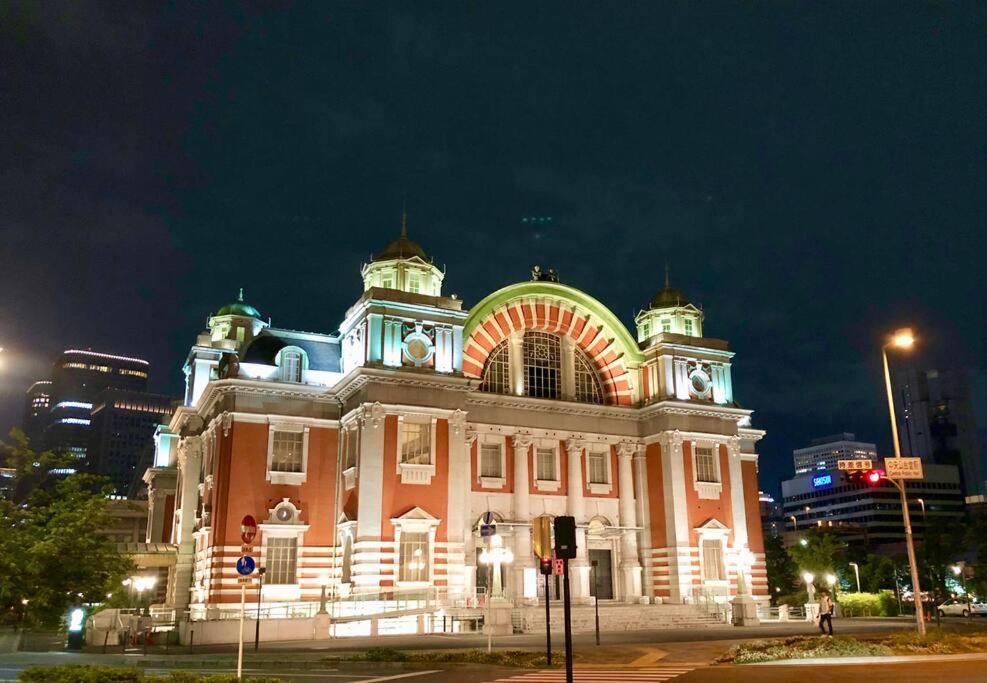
(826, 609)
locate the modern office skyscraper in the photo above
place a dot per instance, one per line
(936, 421)
(37, 406)
(77, 379)
(825, 451)
(122, 425)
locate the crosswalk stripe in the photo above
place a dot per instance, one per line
(649, 675)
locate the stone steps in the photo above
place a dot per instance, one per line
(618, 618)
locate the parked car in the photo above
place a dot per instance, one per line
(963, 608)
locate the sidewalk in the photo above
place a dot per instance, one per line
(893, 659)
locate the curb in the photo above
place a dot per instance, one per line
(894, 659)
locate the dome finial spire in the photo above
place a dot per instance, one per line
(240, 295)
(668, 281)
(404, 219)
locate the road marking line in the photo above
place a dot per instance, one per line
(652, 657)
(394, 678)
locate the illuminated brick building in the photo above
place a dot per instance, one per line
(368, 455)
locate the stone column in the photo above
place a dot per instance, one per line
(575, 507)
(679, 549)
(458, 512)
(523, 554)
(515, 356)
(469, 517)
(630, 564)
(367, 545)
(643, 506)
(189, 468)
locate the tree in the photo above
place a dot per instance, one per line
(782, 570)
(877, 572)
(52, 551)
(819, 552)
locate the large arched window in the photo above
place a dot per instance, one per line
(497, 375)
(588, 389)
(542, 356)
(543, 371)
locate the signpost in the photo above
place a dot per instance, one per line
(853, 465)
(903, 468)
(565, 550)
(244, 567)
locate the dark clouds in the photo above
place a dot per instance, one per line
(815, 174)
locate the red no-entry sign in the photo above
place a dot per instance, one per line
(248, 529)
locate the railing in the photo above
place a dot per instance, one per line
(712, 604)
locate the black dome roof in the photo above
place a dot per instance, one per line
(402, 247)
(669, 297)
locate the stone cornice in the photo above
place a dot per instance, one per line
(479, 398)
(694, 410)
(360, 377)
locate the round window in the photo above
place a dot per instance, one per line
(700, 383)
(283, 514)
(417, 349)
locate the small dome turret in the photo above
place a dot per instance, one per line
(403, 265)
(669, 311)
(239, 307)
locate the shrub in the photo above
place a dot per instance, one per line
(384, 654)
(793, 599)
(802, 647)
(77, 673)
(881, 604)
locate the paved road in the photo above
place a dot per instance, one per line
(925, 672)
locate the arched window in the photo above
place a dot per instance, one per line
(291, 366)
(588, 389)
(542, 354)
(497, 376)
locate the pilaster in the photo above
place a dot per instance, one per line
(679, 549)
(630, 563)
(371, 482)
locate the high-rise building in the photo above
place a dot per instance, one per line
(936, 421)
(870, 515)
(122, 425)
(77, 379)
(37, 406)
(378, 459)
(825, 451)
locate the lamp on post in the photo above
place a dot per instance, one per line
(856, 571)
(903, 339)
(496, 556)
(795, 521)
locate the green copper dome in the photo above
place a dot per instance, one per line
(239, 307)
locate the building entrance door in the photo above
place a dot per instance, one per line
(604, 573)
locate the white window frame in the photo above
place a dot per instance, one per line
(547, 484)
(351, 435)
(416, 473)
(689, 326)
(599, 488)
(491, 440)
(290, 478)
(415, 520)
(707, 490)
(302, 364)
(273, 528)
(713, 530)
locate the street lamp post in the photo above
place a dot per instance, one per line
(795, 521)
(856, 571)
(903, 339)
(323, 582)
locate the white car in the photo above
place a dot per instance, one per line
(962, 608)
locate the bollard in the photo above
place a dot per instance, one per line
(191, 639)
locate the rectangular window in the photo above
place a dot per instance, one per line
(706, 466)
(352, 444)
(490, 460)
(713, 559)
(688, 326)
(545, 464)
(414, 556)
(414, 284)
(287, 455)
(387, 281)
(666, 325)
(416, 445)
(282, 560)
(291, 366)
(645, 330)
(598, 468)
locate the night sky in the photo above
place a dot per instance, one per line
(814, 173)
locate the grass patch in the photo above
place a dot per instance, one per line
(82, 673)
(801, 647)
(521, 659)
(936, 642)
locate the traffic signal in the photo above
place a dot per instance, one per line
(545, 567)
(865, 477)
(565, 537)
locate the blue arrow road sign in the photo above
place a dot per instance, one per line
(245, 565)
